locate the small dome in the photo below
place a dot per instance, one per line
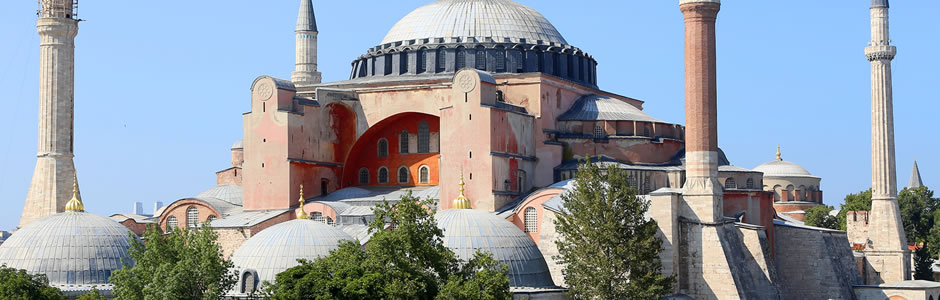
(469, 230)
(238, 145)
(595, 107)
(71, 248)
(278, 247)
(225, 192)
(478, 19)
(782, 168)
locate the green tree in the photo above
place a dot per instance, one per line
(184, 264)
(93, 295)
(406, 259)
(922, 264)
(609, 249)
(819, 216)
(19, 285)
(854, 202)
(917, 212)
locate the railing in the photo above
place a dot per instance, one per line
(58, 9)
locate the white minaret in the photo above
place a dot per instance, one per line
(887, 252)
(305, 71)
(54, 175)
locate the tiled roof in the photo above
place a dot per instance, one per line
(479, 19)
(225, 192)
(596, 107)
(468, 230)
(246, 218)
(71, 248)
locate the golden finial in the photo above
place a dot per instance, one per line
(301, 214)
(461, 202)
(76, 203)
(778, 153)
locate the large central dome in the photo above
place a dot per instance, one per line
(478, 19)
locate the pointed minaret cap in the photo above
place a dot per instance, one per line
(915, 182)
(76, 203)
(778, 153)
(461, 202)
(301, 214)
(306, 20)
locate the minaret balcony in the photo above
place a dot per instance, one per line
(880, 52)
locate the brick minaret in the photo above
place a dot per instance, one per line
(305, 71)
(54, 174)
(702, 190)
(887, 253)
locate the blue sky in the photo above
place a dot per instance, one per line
(161, 86)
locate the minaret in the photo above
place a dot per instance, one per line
(915, 181)
(701, 190)
(306, 66)
(887, 253)
(54, 174)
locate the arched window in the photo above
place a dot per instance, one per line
(424, 174)
(192, 217)
(461, 60)
(500, 57)
(403, 142)
(383, 175)
(790, 189)
(403, 174)
(647, 186)
(403, 62)
(750, 183)
(518, 59)
(556, 64)
(248, 283)
(329, 221)
(730, 183)
(599, 131)
(363, 176)
(318, 216)
(172, 223)
(570, 65)
(424, 137)
(383, 148)
(531, 220)
(778, 193)
(388, 64)
(441, 60)
(210, 218)
(540, 61)
(558, 98)
(480, 58)
(422, 61)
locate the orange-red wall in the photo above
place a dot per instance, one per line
(365, 153)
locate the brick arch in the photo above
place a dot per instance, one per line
(364, 154)
(179, 207)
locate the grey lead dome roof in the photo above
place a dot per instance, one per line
(469, 230)
(225, 192)
(278, 247)
(782, 168)
(479, 19)
(595, 107)
(71, 248)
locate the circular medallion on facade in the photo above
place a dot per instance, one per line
(465, 82)
(264, 90)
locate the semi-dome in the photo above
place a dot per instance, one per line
(72, 248)
(469, 230)
(479, 19)
(225, 192)
(278, 247)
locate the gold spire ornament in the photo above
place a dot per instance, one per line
(778, 153)
(461, 202)
(301, 214)
(76, 203)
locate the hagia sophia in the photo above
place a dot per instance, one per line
(484, 107)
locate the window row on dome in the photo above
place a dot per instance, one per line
(571, 66)
(404, 175)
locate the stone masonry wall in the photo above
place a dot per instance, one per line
(856, 226)
(547, 238)
(815, 264)
(716, 262)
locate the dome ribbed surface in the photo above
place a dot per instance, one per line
(782, 168)
(226, 192)
(278, 247)
(71, 248)
(469, 230)
(479, 19)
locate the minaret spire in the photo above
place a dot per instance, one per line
(915, 181)
(305, 70)
(55, 171)
(888, 255)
